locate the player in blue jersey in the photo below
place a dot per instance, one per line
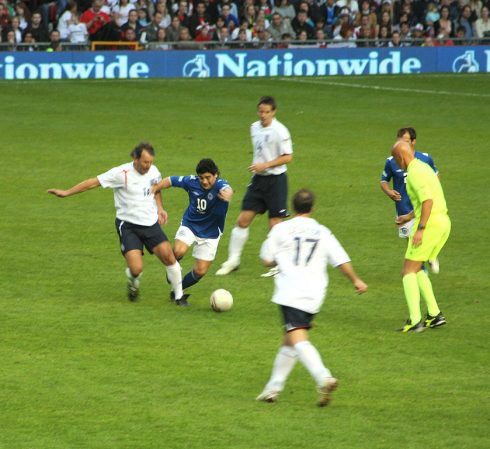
(203, 222)
(405, 216)
(399, 192)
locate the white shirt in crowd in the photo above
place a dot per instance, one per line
(132, 193)
(77, 33)
(302, 248)
(270, 143)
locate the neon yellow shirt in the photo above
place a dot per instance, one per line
(423, 184)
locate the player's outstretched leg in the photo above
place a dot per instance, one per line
(238, 238)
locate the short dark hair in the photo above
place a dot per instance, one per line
(411, 132)
(143, 146)
(267, 100)
(303, 201)
(207, 166)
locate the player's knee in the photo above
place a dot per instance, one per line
(200, 271)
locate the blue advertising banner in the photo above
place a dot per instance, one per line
(243, 63)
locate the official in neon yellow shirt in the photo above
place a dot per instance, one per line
(429, 234)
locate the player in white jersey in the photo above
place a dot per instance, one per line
(302, 248)
(268, 190)
(139, 214)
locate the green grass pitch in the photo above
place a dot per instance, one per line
(81, 367)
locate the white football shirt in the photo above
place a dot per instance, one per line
(302, 248)
(270, 143)
(132, 193)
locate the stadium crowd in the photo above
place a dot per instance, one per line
(55, 25)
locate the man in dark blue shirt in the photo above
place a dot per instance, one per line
(204, 219)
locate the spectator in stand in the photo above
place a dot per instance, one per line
(465, 20)
(285, 41)
(55, 41)
(260, 24)
(460, 37)
(228, 16)
(37, 28)
(428, 42)
(161, 7)
(444, 25)
(250, 15)
(396, 40)
(262, 39)
(321, 38)
(173, 31)
(151, 31)
(365, 10)
(482, 26)
(95, 18)
(286, 10)
(346, 38)
(77, 31)
(383, 36)
(185, 40)
(365, 33)
(211, 8)
(244, 25)
(432, 13)
(475, 6)
(385, 20)
(129, 35)
(343, 19)
(133, 23)
(232, 7)
(14, 27)
(10, 40)
(417, 34)
(279, 27)
(121, 11)
(222, 35)
(265, 7)
(330, 17)
(30, 43)
(444, 40)
(407, 9)
(4, 17)
(405, 34)
(65, 18)
(300, 23)
(161, 41)
(143, 18)
(241, 40)
(199, 19)
(352, 5)
(183, 13)
(203, 34)
(24, 15)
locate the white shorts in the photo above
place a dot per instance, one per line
(405, 228)
(204, 249)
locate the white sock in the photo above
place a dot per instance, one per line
(239, 237)
(310, 358)
(175, 277)
(283, 365)
(135, 280)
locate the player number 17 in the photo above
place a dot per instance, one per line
(312, 244)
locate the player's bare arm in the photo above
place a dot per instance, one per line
(225, 194)
(393, 194)
(79, 188)
(261, 167)
(424, 217)
(347, 269)
(163, 184)
(162, 213)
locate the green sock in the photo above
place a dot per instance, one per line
(412, 295)
(425, 286)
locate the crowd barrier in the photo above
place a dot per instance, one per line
(243, 63)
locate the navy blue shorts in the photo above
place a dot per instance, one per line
(268, 193)
(296, 319)
(133, 236)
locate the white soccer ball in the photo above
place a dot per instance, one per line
(221, 300)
